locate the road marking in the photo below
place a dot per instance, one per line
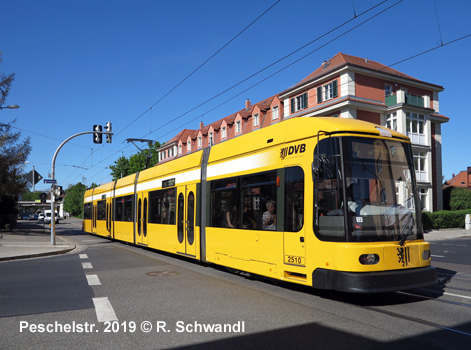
(83, 256)
(87, 265)
(93, 280)
(457, 295)
(104, 310)
(438, 256)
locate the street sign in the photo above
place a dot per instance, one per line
(50, 181)
(33, 175)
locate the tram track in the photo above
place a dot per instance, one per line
(419, 320)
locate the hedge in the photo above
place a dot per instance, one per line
(444, 219)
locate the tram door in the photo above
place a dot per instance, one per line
(186, 230)
(141, 219)
(109, 217)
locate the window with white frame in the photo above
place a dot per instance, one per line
(180, 149)
(199, 141)
(238, 128)
(387, 90)
(416, 128)
(420, 162)
(274, 113)
(391, 121)
(170, 152)
(256, 120)
(223, 132)
(298, 103)
(188, 146)
(327, 91)
(211, 139)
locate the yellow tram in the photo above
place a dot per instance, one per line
(325, 202)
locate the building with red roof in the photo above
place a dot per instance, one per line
(346, 87)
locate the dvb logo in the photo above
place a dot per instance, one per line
(287, 151)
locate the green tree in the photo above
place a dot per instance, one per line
(136, 162)
(30, 196)
(13, 154)
(120, 168)
(73, 202)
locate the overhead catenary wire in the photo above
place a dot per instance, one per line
(272, 64)
(199, 67)
(391, 65)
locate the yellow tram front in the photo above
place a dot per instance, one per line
(367, 215)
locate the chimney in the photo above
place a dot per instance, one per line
(247, 104)
(201, 125)
(366, 59)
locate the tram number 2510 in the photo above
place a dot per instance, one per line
(294, 260)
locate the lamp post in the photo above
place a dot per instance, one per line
(10, 107)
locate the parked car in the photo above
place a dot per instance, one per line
(41, 217)
(47, 217)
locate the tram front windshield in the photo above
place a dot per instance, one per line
(365, 191)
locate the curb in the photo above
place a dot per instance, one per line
(37, 255)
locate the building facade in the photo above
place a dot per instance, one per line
(346, 87)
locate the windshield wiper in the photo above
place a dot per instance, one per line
(406, 230)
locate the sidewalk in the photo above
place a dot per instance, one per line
(31, 240)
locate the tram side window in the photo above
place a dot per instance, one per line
(329, 211)
(101, 210)
(224, 203)
(294, 199)
(162, 206)
(242, 202)
(87, 211)
(259, 194)
(123, 208)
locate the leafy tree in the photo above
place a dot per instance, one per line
(13, 154)
(73, 202)
(5, 85)
(137, 162)
(30, 196)
(120, 169)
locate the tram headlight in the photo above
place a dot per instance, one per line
(369, 259)
(426, 254)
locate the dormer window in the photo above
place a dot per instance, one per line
(256, 120)
(238, 128)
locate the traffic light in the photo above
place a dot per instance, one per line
(97, 138)
(108, 129)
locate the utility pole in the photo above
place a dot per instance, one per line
(53, 180)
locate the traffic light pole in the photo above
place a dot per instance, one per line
(53, 172)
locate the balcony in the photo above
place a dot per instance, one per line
(412, 100)
(415, 100)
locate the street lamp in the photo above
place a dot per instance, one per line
(11, 107)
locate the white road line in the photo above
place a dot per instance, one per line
(87, 265)
(93, 280)
(104, 310)
(438, 256)
(83, 256)
(457, 295)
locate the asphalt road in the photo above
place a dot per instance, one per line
(108, 295)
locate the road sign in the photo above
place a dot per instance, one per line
(50, 181)
(33, 175)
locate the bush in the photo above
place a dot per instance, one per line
(460, 199)
(444, 219)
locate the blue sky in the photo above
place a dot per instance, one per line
(79, 63)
